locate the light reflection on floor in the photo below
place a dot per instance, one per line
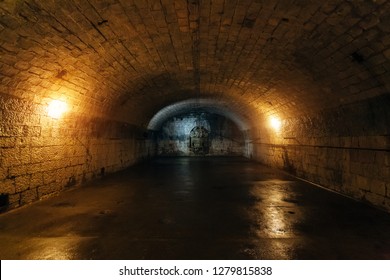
(198, 208)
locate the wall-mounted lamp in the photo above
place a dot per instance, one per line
(275, 123)
(56, 108)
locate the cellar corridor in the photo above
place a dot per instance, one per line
(194, 129)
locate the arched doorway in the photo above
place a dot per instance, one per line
(199, 140)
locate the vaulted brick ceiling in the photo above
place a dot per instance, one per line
(126, 59)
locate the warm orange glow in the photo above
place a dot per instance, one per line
(56, 108)
(275, 123)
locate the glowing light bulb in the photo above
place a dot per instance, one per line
(275, 123)
(56, 108)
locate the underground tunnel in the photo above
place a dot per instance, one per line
(262, 120)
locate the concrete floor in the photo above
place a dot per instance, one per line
(196, 208)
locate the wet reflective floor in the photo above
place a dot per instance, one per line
(196, 208)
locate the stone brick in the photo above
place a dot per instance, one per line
(9, 130)
(7, 186)
(28, 196)
(46, 190)
(378, 187)
(22, 183)
(387, 53)
(3, 173)
(36, 179)
(22, 65)
(18, 170)
(13, 201)
(375, 199)
(24, 155)
(10, 157)
(366, 156)
(49, 177)
(37, 155)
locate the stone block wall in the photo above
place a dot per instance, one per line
(345, 149)
(41, 156)
(224, 137)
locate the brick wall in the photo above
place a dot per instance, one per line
(41, 156)
(345, 149)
